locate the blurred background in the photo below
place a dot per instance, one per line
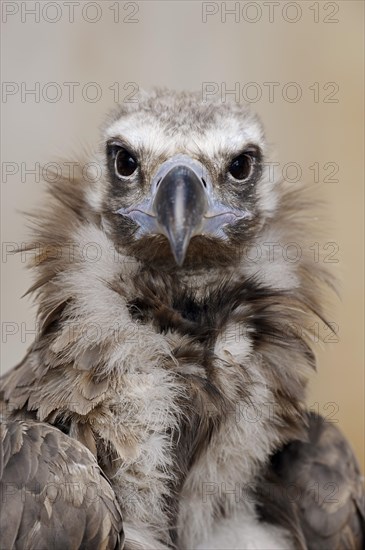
(300, 64)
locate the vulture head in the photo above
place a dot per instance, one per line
(186, 183)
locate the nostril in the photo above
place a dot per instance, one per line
(204, 182)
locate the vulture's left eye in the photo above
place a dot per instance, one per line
(124, 164)
(241, 166)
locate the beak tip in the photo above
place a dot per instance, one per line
(179, 254)
(179, 260)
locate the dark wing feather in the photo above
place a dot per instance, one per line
(321, 479)
(53, 493)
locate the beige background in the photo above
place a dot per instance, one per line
(170, 45)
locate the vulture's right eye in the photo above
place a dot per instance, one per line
(124, 163)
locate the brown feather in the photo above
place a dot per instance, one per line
(319, 480)
(53, 492)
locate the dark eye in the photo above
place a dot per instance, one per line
(124, 164)
(241, 166)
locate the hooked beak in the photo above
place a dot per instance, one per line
(181, 205)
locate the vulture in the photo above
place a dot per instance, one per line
(162, 404)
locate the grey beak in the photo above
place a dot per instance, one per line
(180, 203)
